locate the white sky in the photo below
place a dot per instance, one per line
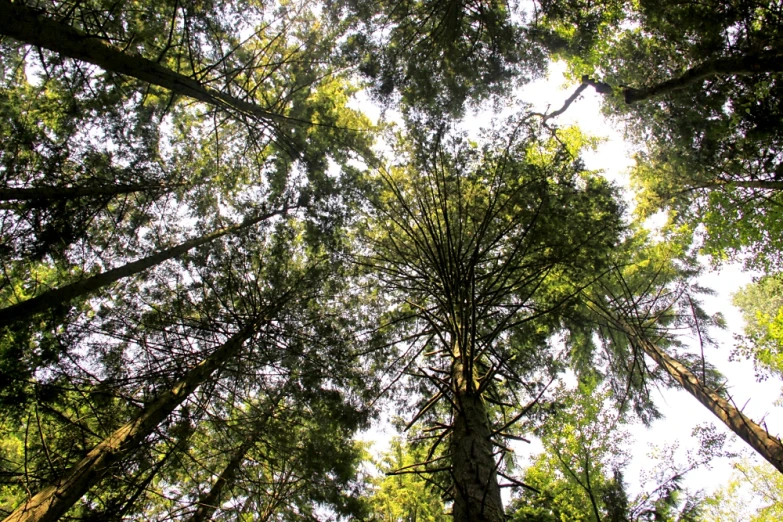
(682, 411)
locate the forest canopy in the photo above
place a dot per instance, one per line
(218, 269)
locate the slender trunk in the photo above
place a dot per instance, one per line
(752, 63)
(766, 445)
(208, 504)
(54, 193)
(29, 26)
(53, 501)
(60, 296)
(476, 489)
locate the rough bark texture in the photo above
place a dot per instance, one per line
(60, 296)
(765, 444)
(476, 489)
(29, 26)
(754, 63)
(53, 501)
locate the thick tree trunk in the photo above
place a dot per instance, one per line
(53, 501)
(29, 26)
(476, 489)
(57, 193)
(766, 445)
(60, 296)
(752, 63)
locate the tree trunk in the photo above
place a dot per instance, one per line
(753, 63)
(476, 489)
(757, 184)
(54, 500)
(60, 296)
(29, 26)
(208, 504)
(766, 445)
(53, 193)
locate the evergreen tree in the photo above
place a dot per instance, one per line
(477, 249)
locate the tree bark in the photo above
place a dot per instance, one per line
(53, 501)
(60, 296)
(476, 489)
(766, 445)
(752, 63)
(56, 193)
(31, 27)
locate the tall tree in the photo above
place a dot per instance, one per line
(61, 296)
(52, 502)
(479, 248)
(645, 305)
(34, 28)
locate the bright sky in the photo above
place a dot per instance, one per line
(682, 411)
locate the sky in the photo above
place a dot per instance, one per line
(682, 413)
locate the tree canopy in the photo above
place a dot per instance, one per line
(217, 270)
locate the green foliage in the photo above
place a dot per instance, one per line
(708, 140)
(401, 494)
(580, 473)
(733, 502)
(436, 55)
(478, 269)
(761, 304)
(648, 288)
(577, 476)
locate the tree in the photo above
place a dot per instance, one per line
(61, 296)
(732, 503)
(401, 494)
(578, 476)
(580, 473)
(698, 87)
(639, 322)
(34, 28)
(436, 55)
(478, 249)
(762, 310)
(52, 502)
